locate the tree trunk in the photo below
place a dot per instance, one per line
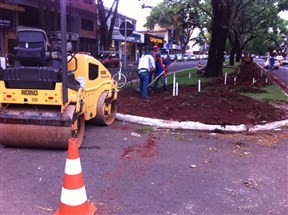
(231, 58)
(220, 29)
(106, 31)
(238, 56)
(49, 14)
(234, 49)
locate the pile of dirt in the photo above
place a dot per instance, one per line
(215, 104)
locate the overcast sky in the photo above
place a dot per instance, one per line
(132, 8)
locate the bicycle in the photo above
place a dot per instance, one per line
(128, 75)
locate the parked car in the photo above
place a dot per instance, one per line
(281, 60)
(284, 61)
(164, 56)
(193, 57)
(276, 64)
(109, 59)
(186, 57)
(205, 56)
(172, 57)
(179, 57)
(279, 57)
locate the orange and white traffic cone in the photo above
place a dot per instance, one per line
(73, 195)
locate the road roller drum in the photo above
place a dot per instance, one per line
(46, 97)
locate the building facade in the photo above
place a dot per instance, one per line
(171, 43)
(45, 14)
(126, 45)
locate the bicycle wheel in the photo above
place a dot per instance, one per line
(121, 79)
(134, 78)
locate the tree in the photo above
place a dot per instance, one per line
(220, 29)
(106, 30)
(178, 17)
(252, 19)
(49, 14)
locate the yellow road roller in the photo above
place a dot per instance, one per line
(52, 90)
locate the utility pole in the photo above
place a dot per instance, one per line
(97, 35)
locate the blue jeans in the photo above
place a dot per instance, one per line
(144, 82)
(162, 78)
(150, 76)
(271, 66)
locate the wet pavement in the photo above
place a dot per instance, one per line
(133, 169)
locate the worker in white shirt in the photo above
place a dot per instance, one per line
(145, 66)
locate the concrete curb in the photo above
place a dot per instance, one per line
(274, 79)
(190, 125)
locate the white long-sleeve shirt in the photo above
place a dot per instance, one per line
(146, 62)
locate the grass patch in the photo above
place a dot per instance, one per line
(183, 77)
(145, 129)
(273, 93)
(230, 69)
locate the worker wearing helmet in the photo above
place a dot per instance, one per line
(155, 51)
(160, 72)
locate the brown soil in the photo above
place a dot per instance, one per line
(215, 104)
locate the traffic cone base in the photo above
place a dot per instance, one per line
(86, 209)
(73, 195)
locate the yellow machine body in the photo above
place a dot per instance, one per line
(32, 117)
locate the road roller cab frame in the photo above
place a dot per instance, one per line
(52, 90)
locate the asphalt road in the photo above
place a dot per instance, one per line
(280, 74)
(176, 67)
(127, 171)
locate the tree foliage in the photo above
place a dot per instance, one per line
(49, 14)
(246, 24)
(250, 19)
(177, 16)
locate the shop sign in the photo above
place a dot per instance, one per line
(151, 40)
(133, 38)
(6, 18)
(156, 40)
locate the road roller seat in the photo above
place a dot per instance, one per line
(32, 47)
(55, 44)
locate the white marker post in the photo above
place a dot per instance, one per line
(176, 94)
(199, 85)
(225, 78)
(174, 83)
